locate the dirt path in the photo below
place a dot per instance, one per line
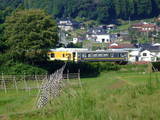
(120, 83)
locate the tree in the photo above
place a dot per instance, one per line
(29, 33)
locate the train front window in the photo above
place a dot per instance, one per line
(52, 55)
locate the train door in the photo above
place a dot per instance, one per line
(74, 56)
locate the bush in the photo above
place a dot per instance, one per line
(156, 66)
(86, 68)
(20, 68)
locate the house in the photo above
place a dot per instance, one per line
(103, 38)
(147, 56)
(145, 27)
(149, 52)
(78, 39)
(93, 32)
(134, 55)
(68, 24)
(121, 46)
(111, 27)
(99, 35)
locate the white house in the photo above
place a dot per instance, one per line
(147, 56)
(103, 38)
(134, 56)
(75, 40)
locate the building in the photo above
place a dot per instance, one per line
(68, 25)
(147, 56)
(103, 38)
(145, 27)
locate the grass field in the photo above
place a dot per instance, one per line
(121, 95)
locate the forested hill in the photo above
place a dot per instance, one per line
(100, 10)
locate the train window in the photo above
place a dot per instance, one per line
(89, 55)
(79, 55)
(106, 54)
(111, 55)
(94, 54)
(116, 55)
(52, 55)
(100, 55)
(122, 55)
(63, 55)
(83, 55)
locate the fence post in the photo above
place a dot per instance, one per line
(4, 84)
(15, 83)
(79, 78)
(37, 81)
(67, 75)
(26, 86)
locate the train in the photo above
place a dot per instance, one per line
(70, 54)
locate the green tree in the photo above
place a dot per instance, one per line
(29, 34)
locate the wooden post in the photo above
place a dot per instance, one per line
(25, 83)
(4, 84)
(68, 76)
(15, 83)
(79, 78)
(36, 81)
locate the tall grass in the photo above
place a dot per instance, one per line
(99, 99)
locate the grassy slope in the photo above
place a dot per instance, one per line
(113, 95)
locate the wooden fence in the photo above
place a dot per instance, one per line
(28, 82)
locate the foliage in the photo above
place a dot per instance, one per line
(112, 95)
(11, 68)
(87, 68)
(103, 11)
(72, 45)
(29, 34)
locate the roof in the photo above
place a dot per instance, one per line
(122, 46)
(69, 49)
(149, 47)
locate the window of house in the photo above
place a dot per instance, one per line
(144, 54)
(103, 40)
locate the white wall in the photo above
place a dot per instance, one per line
(147, 56)
(103, 38)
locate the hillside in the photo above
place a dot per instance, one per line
(103, 11)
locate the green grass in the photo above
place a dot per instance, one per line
(111, 96)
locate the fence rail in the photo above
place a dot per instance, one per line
(28, 82)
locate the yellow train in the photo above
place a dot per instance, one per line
(70, 54)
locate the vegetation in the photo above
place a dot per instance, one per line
(112, 95)
(29, 33)
(103, 11)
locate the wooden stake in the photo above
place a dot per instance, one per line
(37, 81)
(15, 83)
(67, 75)
(79, 78)
(4, 84)
(26, 86)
